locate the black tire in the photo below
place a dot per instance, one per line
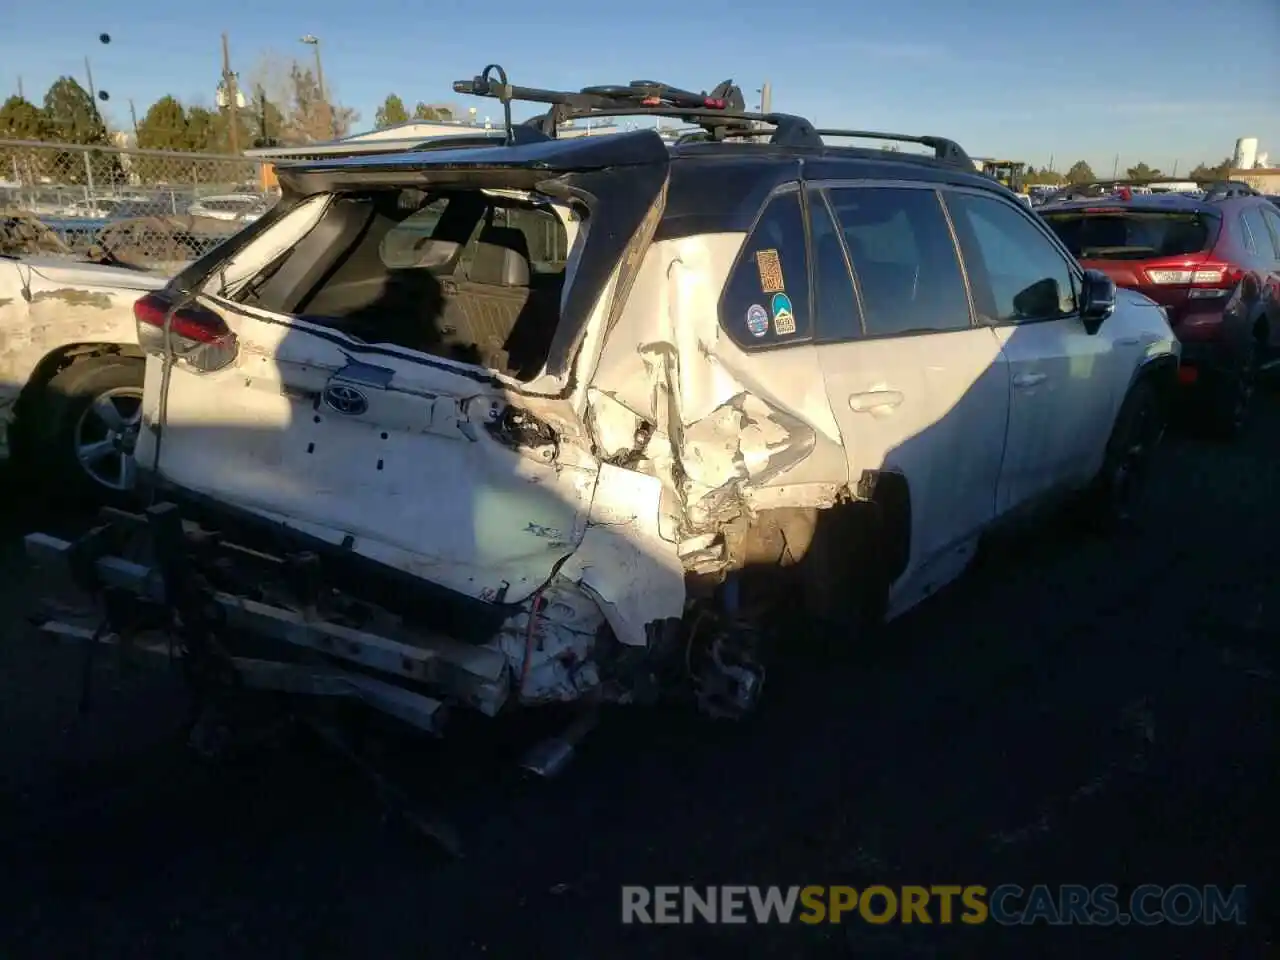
(1232, 400)
(61, 418)
(1114, 499)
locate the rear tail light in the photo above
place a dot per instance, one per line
(196, 335)
(1205, 280)
(1201, 276)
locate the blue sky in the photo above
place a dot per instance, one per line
(1154, 81)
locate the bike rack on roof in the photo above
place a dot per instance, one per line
(721, 114)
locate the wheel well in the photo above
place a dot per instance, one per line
(783, 537)
(65, 356)
(890, 493)
(1162, 374)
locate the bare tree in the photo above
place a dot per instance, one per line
(292, 88)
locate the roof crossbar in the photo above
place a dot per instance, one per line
(943, 149)
(720, 114)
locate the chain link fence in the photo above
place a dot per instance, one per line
(153, 209)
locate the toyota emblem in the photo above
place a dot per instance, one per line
(345, 399)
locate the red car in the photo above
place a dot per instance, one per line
(1213, 264)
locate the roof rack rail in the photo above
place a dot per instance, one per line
(720, 114)
(943, 149)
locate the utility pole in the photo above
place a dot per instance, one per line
(233, 98)
(133, 115)
(1175, 168)
(1115, 166)
(88, 72)
(313, 41)
(21, 96)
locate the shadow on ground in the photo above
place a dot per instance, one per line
(1074, 711)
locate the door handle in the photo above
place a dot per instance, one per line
(1029, 379)
(1128, 342)
(874, 400)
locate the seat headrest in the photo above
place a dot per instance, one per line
(499, 266)
(510, 237)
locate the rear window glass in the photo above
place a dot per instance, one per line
(766, 300)
(1134, 235)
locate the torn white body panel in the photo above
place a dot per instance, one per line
(49, 305)
(263, 435)
(735, 428)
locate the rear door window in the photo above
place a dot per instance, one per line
(1128, 234)
(904, 260)
(1016, 273)
(1273, 222)
(766, 301)
(835, 309)
(1256, 236)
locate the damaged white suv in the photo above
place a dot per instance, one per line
(550, 418)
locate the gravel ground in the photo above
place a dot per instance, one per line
(1074, 711)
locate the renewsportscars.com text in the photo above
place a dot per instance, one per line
(1007, 905)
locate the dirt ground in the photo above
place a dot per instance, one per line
(1074, 711)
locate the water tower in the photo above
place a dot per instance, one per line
(1246, 153)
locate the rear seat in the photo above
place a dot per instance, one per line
(486, 303)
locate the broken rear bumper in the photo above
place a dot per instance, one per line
(318, 644)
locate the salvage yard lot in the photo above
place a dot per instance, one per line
(1073, 711)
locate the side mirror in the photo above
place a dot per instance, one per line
(1041, 299)
(1097, 300)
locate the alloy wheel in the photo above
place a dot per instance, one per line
(106, 436)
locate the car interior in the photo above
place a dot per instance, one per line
(463, 274)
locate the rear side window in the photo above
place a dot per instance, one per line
(1127, 234)
(766, 301)
(1273, 221)
(904, 260)
(1256, 236)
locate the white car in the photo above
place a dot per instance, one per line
(71, 372)
(241, 208)
(793, 377)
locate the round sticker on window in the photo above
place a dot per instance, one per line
(757, 320)
(784, 318)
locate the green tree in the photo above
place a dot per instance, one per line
(432, 112)
(205, 130)
(1203, 172)
(22, 120)
(1042, 176)
(1080, 172)
(209, 131)
(73, 118)
(390, 113)
(1140, 171)
(266, 120)
(163, 127)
